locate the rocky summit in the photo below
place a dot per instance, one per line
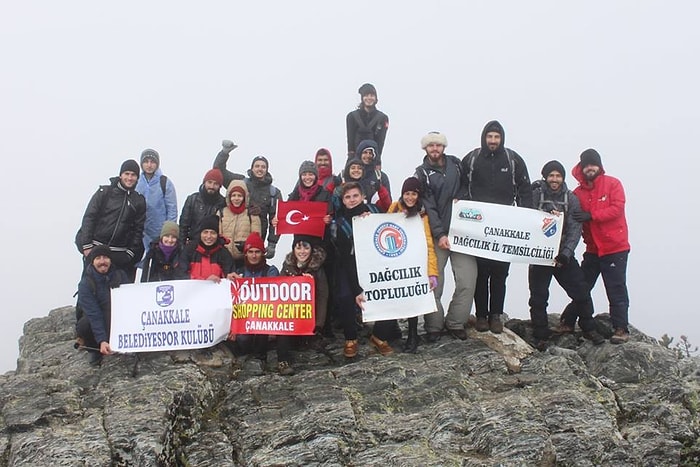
(492, 400)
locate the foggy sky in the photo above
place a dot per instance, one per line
(86, 85)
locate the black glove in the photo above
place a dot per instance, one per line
(562, 260)
(228, 146)
(239, 245)
(581, 216)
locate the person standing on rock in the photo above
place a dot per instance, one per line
(263, 194)
(94, 302)
(204, 202)
(494, 174)
(441, 182)
(552, 195)
(605, 234)
(159, 192)
(366, 122)
(115, 217)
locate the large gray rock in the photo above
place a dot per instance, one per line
(490, 400)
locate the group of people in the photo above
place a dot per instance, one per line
(131, 224)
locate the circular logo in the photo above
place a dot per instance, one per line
(390, 239)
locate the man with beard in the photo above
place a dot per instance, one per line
(263, 194)
(441, 181)
(94, 302)
(324, 163)
(366, 122)
(205, 202)
(115, 217)
(602, 199)
(552, 195)
(494, 174)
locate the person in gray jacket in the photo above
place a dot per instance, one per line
(552, 195)
(441, 181)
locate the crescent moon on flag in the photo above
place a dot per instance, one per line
(289, 217)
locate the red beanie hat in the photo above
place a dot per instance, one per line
(214, 175)
(254, 240)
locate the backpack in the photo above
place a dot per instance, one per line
(163, 183)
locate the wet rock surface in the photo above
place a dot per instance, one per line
(489, 400)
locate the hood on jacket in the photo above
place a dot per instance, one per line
(577, 172)
(364, 144)
(266, 180)
(324, 172)
(493, 125)
(236, 184)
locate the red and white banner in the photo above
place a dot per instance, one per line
(282, 305)
(301, 217)
(505, 233)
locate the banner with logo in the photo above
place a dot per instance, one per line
(301, 217)
(174, 315)
(505, 233)
(282, 305)
(392, 266)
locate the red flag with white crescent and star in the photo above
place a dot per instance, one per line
(301, 217)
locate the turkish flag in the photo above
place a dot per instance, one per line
(301, 217)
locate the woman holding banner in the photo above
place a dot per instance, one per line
(411, 204)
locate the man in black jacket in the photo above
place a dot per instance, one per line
(115, 217)
(204, 202)
(366, 122)
(494, 174)
(263, 195)
(552, 195)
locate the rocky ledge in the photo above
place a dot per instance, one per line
(489, 400)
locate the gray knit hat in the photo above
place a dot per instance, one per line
(308, 166)
(150, 154)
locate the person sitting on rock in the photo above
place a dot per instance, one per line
(256, 266)
(94, 302)
(162, 262)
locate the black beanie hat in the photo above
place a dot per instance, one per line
(552, 166)
(210, 222)
(99, 250)
(150, 154)
(411, 184)
(367, 88)
(130, 166)
(590, 157)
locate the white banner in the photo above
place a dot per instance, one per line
(174, 315)
(392, 266)
(505, 233)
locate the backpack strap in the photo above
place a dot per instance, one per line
(163, 184)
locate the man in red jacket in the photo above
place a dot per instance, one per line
(602, 214)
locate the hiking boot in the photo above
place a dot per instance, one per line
(350, 349)
(594, 337)
(285, 369)
(620, 336)
(411, 344)
(94, 358)
(482, 324)
(495, 324)
(432, 337)
(541, 344)
(382, 347)
(254, 367)
(564, 328)
(459, 333)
